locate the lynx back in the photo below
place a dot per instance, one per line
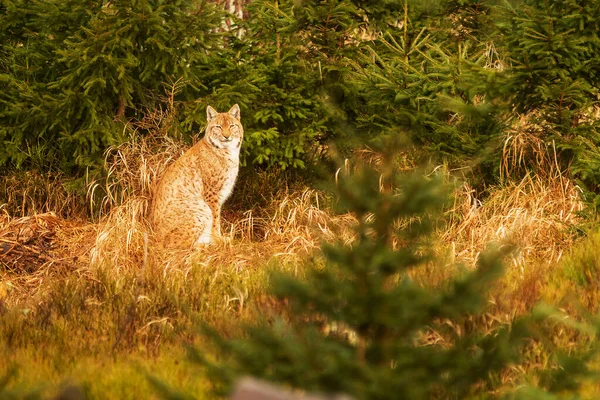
(186, 208)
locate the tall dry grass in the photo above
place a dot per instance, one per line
(533, 208)
(104, 287)
(531, 212)
(534, 211)
(290, 225)
(106, 279)
(31, 192)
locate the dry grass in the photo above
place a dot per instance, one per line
(288, 227)
(526, 150)
(29, 193)
(533, 214)
(532, 209)
(37, 249)
(107, 279)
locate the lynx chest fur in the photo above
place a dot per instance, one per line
(186, 208)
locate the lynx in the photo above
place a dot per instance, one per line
(186, 209)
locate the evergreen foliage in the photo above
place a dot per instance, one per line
(357, 325)
(423, 76)
(453, 74)
(288, 57)
(554, 51)
(456, 75)
(275, 85)
(15, 394)
(75, 72)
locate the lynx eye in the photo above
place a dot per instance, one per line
(233, 127)
(217, 128)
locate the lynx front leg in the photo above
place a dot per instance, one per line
(205, 237)
(205, 222)
(217, 223)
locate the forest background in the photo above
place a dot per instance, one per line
(440, 126)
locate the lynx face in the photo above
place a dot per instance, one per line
(224, 130)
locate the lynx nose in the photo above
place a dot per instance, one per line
(226, 136)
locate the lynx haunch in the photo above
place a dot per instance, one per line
(186, 208)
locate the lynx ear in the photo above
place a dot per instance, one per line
(211, 113)
(235, 111)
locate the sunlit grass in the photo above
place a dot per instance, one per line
(113, 376)
(95, 303)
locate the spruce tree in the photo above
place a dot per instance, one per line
(554, 76)
(75, 73)
(356, 323)
(280, 67)
(423, 76)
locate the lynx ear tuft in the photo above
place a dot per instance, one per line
(211, 113)
(235, 111)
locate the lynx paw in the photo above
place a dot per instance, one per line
(203, 240)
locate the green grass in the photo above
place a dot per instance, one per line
(106, 332)
(106, 320)
(116, 375)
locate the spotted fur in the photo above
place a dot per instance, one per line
(186, 208)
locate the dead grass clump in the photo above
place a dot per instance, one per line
(525, 149)
(134, 167)
(32, 192)
(529, 146)
(533, 214)
(28, 243)
(123, 237)
(289, 229)
(37, 248)
(299, 222)
(532, 209)
(133, 170)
